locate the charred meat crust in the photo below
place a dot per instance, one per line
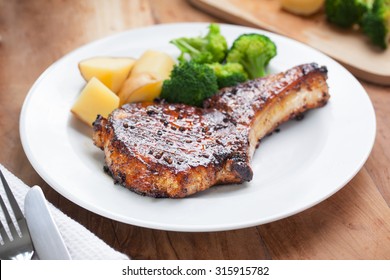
(165, 150)
(175, 150)
(246, 100)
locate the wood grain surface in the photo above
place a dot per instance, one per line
(352, 224)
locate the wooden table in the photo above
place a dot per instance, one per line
(352, 224)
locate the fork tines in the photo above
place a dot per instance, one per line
(19, 247)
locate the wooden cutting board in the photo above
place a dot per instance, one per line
(349, 47)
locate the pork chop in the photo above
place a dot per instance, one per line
(175, 150)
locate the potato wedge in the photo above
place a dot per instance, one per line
(302, 7)
(146, 77)
(95, 99)
(111, 71)
(143, 87)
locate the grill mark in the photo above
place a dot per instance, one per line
(188, 145)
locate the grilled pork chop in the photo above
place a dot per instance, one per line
(174, 150)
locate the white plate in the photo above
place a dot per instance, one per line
(295, 169)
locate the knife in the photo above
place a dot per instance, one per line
(45, 235)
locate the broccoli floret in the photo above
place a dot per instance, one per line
(253, 52)
(190, 83)
(376, 23)
(229, 74)
(208, 49)
(345, 13)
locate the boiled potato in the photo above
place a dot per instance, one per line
(142, 87)
(111, 71)
(302, 7)
(95, 99)
(146, 77)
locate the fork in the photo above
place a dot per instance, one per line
(20, 246)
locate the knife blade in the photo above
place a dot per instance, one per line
(45, 235)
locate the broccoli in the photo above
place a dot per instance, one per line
(229, 74)
(208, 49)
(345, 13)
(253, 52)
(376, 23)
(190, 83)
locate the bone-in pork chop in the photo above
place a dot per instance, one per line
(174, 150)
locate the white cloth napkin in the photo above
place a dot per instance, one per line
(82, 244)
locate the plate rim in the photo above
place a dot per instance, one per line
(172, 227)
